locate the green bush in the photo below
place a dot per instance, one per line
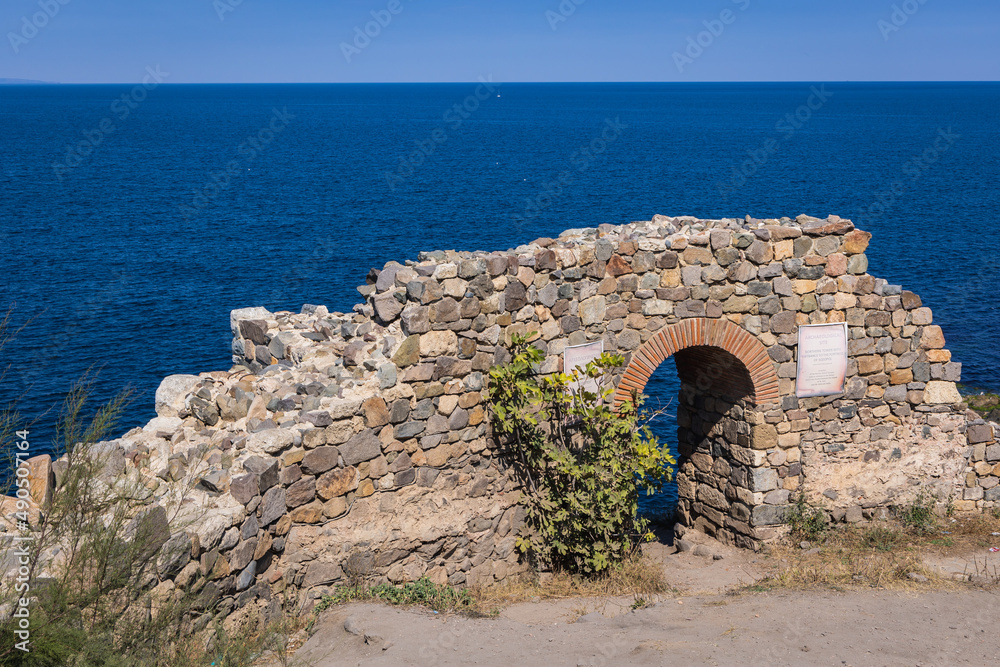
(918, 515)
(807, 522)
(581, 462)
(421, 592)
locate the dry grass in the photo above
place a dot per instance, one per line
(974, 530)
(640, 577)
(881, 555)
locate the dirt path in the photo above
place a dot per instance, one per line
(856, 628)
(701, 624)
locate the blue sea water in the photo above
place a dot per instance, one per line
(132, 221)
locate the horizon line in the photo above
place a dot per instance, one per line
(32, 82)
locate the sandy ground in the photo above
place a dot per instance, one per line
(699, 625)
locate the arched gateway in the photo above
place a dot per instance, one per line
(718, 361)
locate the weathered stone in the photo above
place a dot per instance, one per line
(938, 392)
(855, 242)
(254, 330)
(244, 488)
(408, 353)
(593, 310)
(444, 311)
(763, 479)
(764, 436)
(618, 266)
(246, 577)
(515, 296)
(819, 227)
(301, 492)
(172, 394)
(415, 319)
(759, 252)
(438, 343)
(932, 338)
(319, 460)
(321, 574)
(362, 447)
(376, 412)
(387, 307)
(783, 323)
(242, 555)
(265, 469)
(317, 418)
(768, 515)
(40, 478)
(857, 264)
(910, 300)
(978, 433)
(409, 430)
(272, 441)
(272, 506)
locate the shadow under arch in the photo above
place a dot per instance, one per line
(724, 371)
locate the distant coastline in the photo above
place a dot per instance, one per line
(23, 82)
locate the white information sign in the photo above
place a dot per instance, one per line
(581, 355)
(822, 364)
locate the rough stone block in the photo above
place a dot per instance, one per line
(272, 505)
(172, 394)
(244, 488)
(980, 433)
(271, 441)
(301, 492)
(438, 343)
(763, 479)
(939, 393)
(266, 470)
(768, 515)
(319, 460)
(320, 574)
(764, 436)
(362, 447)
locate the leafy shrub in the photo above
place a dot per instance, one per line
(581, 462)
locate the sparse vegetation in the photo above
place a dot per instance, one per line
(637, 576)
(987, 405)
(880, 538)
(94, 557)
(919, 515)
(245, 646)
(422, 592)
(884, 554)
(807, 522)
(851, 557)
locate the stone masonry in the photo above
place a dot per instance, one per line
(357, 444)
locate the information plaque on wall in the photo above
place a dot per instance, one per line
(822, 364)
(581, 355)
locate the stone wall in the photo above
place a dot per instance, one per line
(982, 471)
(357, 444)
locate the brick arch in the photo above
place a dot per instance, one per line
(704, 334)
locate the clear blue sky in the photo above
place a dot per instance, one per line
(91, 41)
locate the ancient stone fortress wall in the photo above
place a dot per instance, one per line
(357, 444)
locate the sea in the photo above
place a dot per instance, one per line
(133, 218)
